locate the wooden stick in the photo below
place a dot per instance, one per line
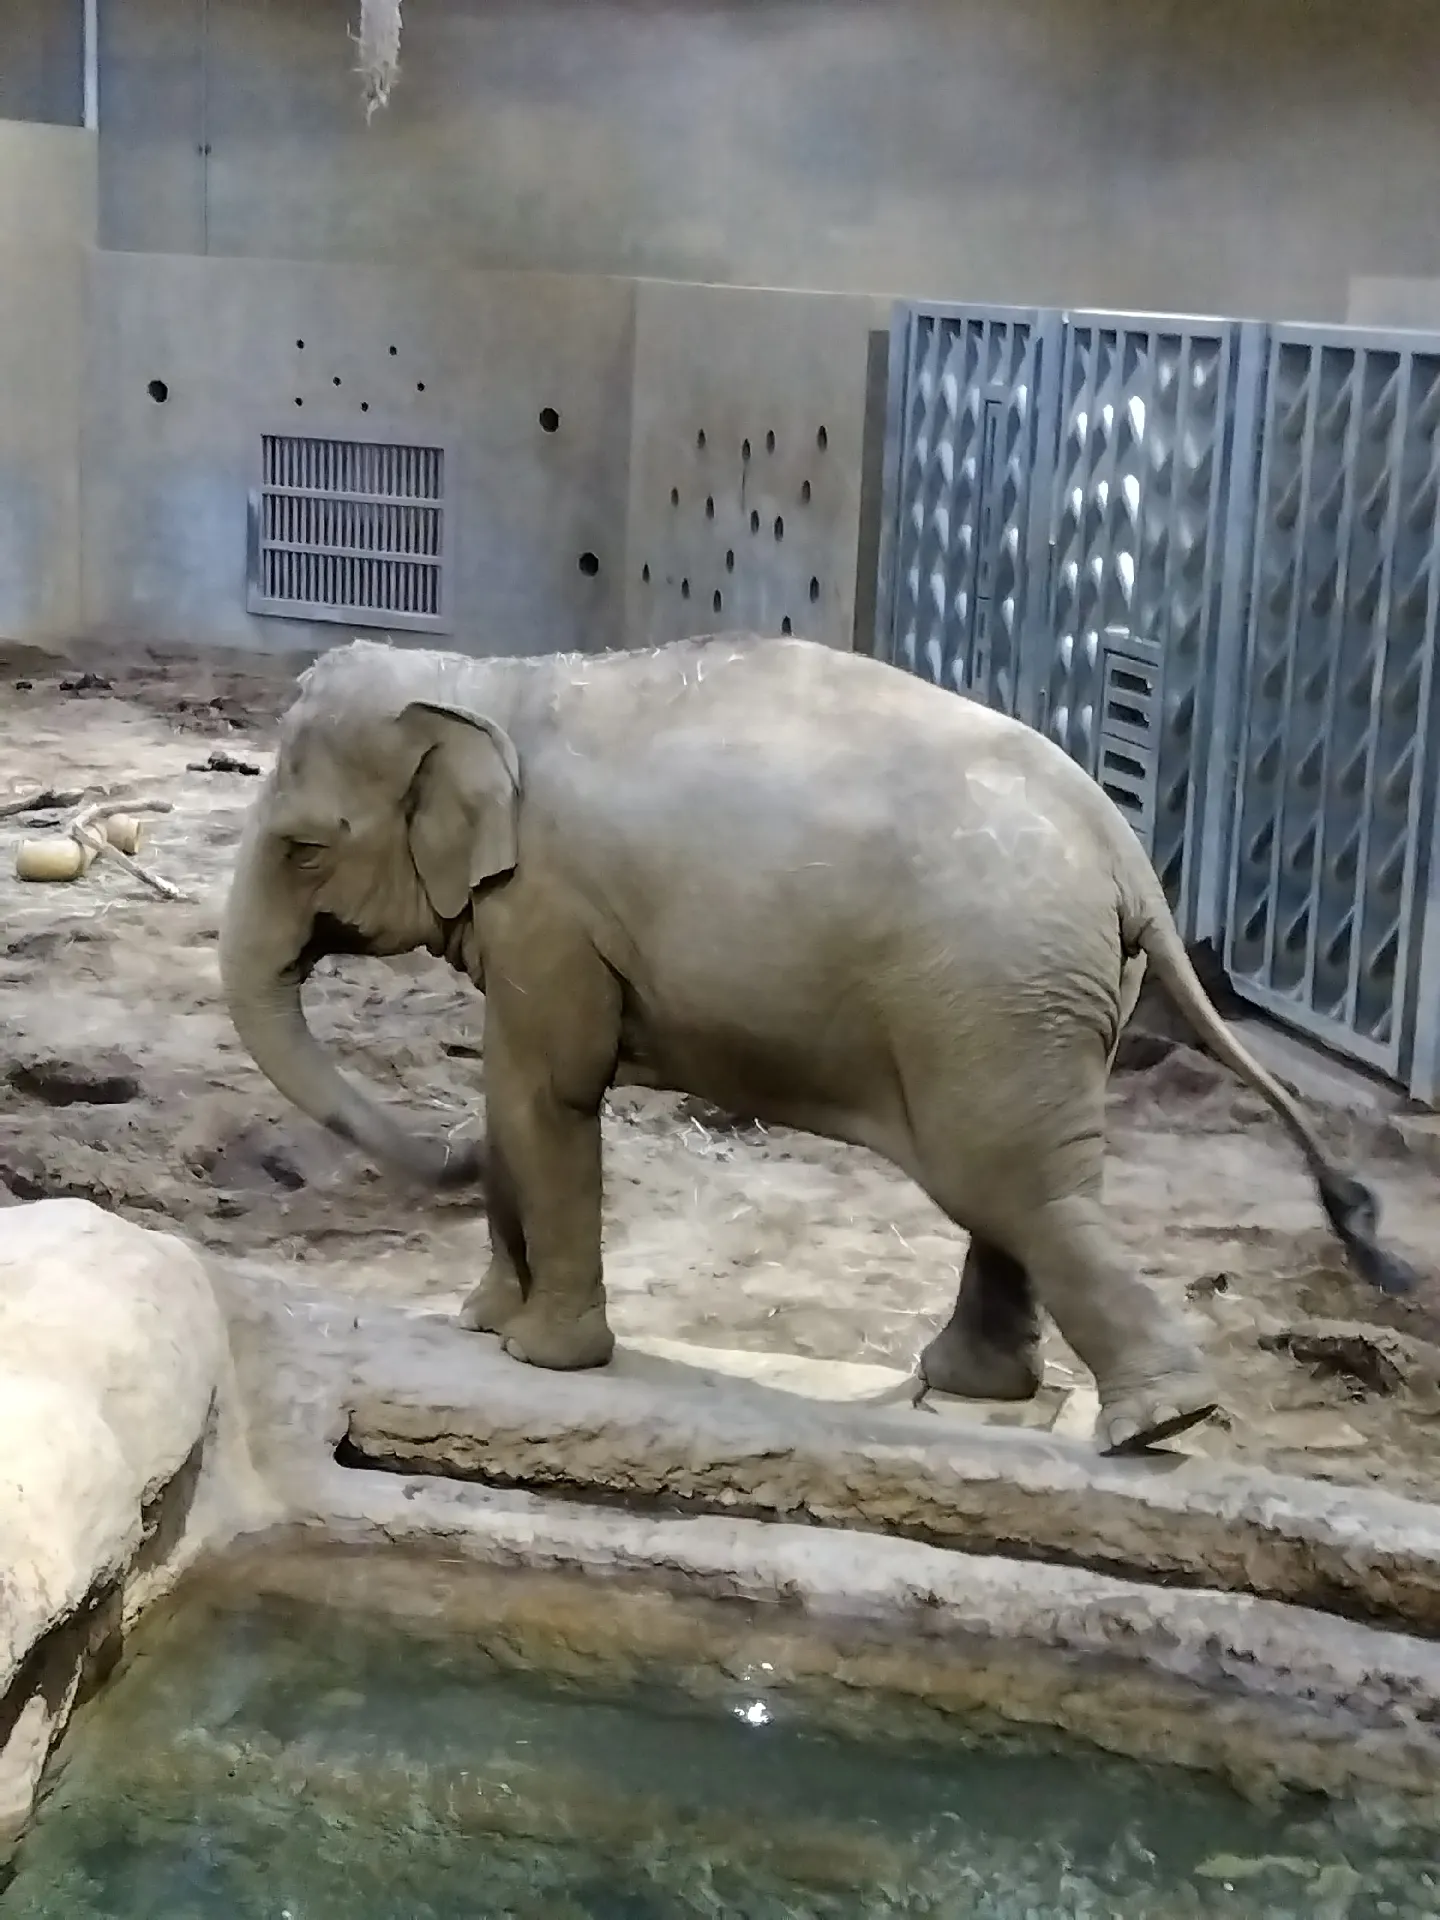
(45, 801)
(85, 830)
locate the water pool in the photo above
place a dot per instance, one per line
(281, 1761)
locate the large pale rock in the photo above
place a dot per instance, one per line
(122, 1315)
(114, 1351)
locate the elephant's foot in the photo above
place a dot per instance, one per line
(964, 1363)
(490, 1307)
(1142, 1412)
(540, 1337)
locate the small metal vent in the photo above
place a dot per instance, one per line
(1129, 726)
(349, 530)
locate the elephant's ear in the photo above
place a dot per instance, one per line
(464, 803)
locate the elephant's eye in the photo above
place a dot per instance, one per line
(307, 854)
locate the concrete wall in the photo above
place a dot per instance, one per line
(476, 360)
(1117, 152)
(47, 185)
(1208, 155)
(47, 221)
(549, 533)
(747, 461)
(40, 60)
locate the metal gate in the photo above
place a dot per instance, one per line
(1202, 556)
(965, 481)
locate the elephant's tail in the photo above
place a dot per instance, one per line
(1350, 1205)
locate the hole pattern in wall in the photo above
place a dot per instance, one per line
(318, 382)
(731, 537)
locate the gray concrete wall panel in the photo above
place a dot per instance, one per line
(192, 361)
(42, 314)
(47, 185)
(1210, 158)
(40, 61)
(746, 461)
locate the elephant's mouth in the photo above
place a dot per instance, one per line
(329, 938)
(456, 942)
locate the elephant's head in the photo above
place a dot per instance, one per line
(384, 811)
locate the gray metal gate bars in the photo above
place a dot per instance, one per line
(1202, 556)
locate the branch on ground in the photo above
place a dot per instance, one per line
(88, 830)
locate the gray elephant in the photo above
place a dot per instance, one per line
(800, 884)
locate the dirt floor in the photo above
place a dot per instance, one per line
(120, 1081)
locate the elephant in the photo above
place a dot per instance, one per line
(798, 883)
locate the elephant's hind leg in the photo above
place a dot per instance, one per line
(1148, 1373)
(989, 1347)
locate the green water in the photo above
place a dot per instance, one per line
(281, 1762)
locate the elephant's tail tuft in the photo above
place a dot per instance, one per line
(1354, 1212)
(1350, 1205)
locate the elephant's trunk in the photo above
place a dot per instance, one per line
(265, 956)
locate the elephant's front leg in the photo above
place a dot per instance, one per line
(543, 1093)
(490, 1307)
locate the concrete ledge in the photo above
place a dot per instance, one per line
(663, 1436)
(848, 1627)
(1258, 1689)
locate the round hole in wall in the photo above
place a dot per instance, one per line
(804, 493)
(779, 527)
(754, 520)
(770, 441)
(364, 406)
(684, 589)
(158, 392)
(822, 439)
(744, 449)
(419, 386)
(549, 420)
(814, 589)
(393, 352)
(301, 345)
(717, 603)
(645, 573)
(674, 496)
(589, 565)
(700, 440)
(298, 401)
(335, 380)
(730, 560)
(785, 626)
(709, 506)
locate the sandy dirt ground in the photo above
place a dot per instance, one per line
(121, 1081)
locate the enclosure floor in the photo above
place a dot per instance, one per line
(120, 1080)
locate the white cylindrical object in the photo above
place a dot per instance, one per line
(58, 859)
(124, 832)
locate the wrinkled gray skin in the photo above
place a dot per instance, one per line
(800, 884)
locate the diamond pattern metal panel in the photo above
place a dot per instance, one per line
(1216, 586)
(961, 561)
(1337, 741)
(1137, 548)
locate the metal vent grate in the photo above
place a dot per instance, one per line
(1129, 727)
(349, 530)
